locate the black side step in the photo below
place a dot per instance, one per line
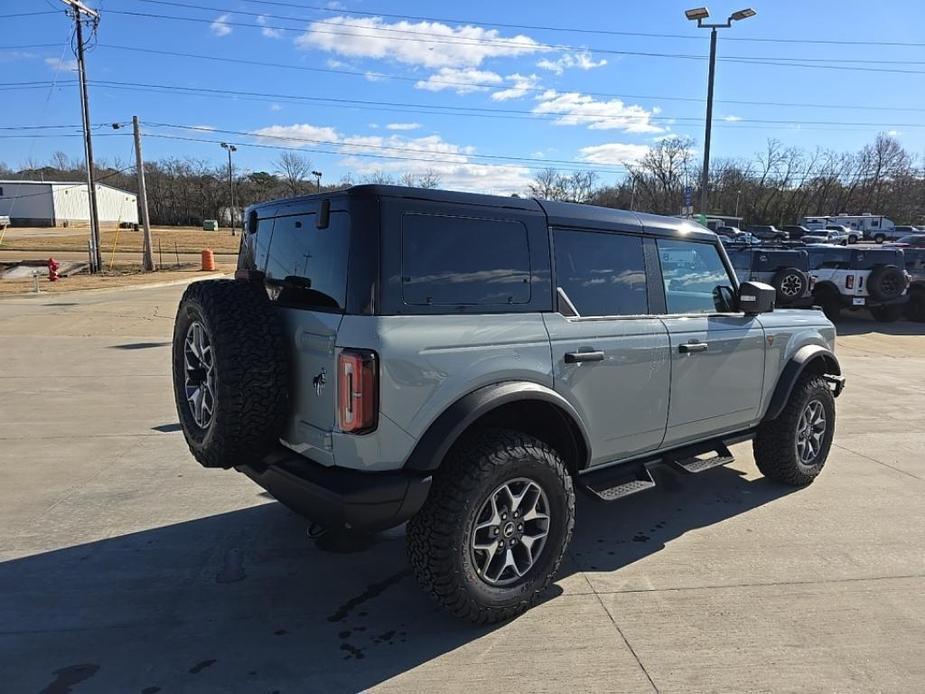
(694, 464)
(616, 486)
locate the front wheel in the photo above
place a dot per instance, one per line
(887, 314)
(495, 526)
(793, 447)
(879, 238)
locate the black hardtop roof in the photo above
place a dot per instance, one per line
(557, 213)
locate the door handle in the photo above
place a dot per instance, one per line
(578, 357)
(692, 347)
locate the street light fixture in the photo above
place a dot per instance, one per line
(317, 175)
(698, 14)
(231, 148)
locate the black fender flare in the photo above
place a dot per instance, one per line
(808, 356)
(443, 432)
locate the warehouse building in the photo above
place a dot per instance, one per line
(57, 204)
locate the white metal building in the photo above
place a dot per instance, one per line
(50, 204)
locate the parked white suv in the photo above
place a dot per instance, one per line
(872, 278)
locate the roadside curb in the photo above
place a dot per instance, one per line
(125, 288)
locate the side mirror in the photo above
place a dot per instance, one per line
(756, 297)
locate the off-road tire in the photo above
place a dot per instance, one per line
(830, 303)
(879, 238)
(250, 365)
(791, 284)
(886, 282)
(889, 313)
(915, 309)
(774, 445)
(439, 535)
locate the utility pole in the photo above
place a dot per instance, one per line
(148, 260)
(77, 12)
(231, 148)
(148, 246)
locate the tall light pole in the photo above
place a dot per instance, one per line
(80, 13)
(699, 14)
(317, 175)
(231, 148)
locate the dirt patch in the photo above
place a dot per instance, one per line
(171, 240)
(120, 276)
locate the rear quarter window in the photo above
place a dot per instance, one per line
(463, 261)
(310, 264)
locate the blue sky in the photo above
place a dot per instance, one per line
(482, 105)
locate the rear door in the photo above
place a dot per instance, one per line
(610, 357)
(306, 276)
(717, 357)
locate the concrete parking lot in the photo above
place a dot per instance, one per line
(125, 567)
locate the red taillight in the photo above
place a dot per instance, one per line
(357, 390)
(849, 281)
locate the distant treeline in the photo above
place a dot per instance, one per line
(778, 186)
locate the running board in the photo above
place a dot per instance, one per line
(694, 464)
(611, 488)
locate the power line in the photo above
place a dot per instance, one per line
(483, 41)
(30, 14)
(577, 30)
(359, 73)
(429, 39)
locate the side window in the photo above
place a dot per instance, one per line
(309, 264)
(257, 242)
(456, 261)
(691, 272)
(603, 274)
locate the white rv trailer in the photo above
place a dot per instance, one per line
(866, 223)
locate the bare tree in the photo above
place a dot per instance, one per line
(294, 168)
(429, 179)
(548, 184)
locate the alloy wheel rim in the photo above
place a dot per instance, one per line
(199, 375)
(791, 286)
(811, 428)
(510, 531)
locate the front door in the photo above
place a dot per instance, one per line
(717, 356)
(610, 358)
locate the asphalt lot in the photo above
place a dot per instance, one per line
(125, 567)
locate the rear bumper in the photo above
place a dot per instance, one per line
(848, 301)
(337, 497)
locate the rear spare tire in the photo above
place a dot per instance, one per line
(790, 284)
(886, 282)
(229, 372)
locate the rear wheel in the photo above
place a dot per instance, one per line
(793, 447)
(229, 372)
(887, 314)
(790, 284)
(879, 238)
(495, 526)
(915, 309)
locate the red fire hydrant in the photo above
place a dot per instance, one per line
(53, 266)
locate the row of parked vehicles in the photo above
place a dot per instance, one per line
(831, 233)
(887, 280)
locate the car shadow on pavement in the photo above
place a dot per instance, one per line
(862, 324)
(245, 601)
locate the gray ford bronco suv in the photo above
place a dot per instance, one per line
(466, 362)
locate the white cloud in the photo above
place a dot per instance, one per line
(373, 76)
(297, 135)
(269, 32)
(582, 61)
(574, 108)
(220, 26)
(451, 162)
(403, 126)
(613, 153)
(461, 81)
(413, 42)
(276, 107)
(59, 65)
(208, 128)
(732, 119)
(894, 133)
(522, 85)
